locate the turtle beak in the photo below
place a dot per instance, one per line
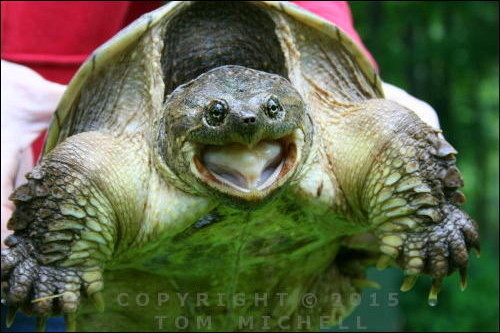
(245, 168)
(245, 171)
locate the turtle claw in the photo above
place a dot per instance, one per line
(438, 250)
(433, 293)
(364, 283)
(463, 278)
(98, 301)
(41, 323)
(409, 282)
(383, 262)
(11, 315)
(70, 321)
(36, 288)
(476, 250)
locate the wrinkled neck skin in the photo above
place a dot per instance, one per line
(159, 155)
(208, 35)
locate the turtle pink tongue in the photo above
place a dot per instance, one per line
(243, 167)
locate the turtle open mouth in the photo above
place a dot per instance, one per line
(247, 169)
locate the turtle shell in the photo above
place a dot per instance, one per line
(121, 87)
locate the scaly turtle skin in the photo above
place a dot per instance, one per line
(212, 166)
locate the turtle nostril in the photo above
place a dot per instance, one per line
(249, 120)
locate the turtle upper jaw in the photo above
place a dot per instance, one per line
(249, 172)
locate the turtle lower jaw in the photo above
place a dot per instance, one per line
(258, 173)
(248, 173)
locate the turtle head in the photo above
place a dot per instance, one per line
(238, 133)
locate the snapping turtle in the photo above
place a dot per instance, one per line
(229, 167)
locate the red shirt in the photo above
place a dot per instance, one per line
(55, 37)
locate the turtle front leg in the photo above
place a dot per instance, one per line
(399, 177)
(67, 225)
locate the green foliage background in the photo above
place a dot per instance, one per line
(446, 53)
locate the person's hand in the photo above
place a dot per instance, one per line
(28, 102)
(421, 108)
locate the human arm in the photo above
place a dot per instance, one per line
(28, 102)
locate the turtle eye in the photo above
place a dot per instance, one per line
(216, 112)
(273, 107)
